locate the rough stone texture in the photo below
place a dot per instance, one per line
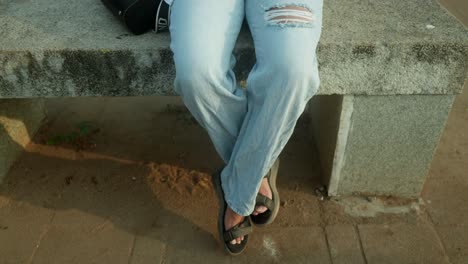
(390, 144)
(19, 121)
(401, 243)
(344, 244)
(367, 47)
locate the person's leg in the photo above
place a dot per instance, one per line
(203, 36)
(285, 77)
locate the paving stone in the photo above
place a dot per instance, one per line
(447, 208)
(445, 191)
(148, 248)
(190, 243)
(455, 239)
(344, 244)
(286, 245)
(176, 244)
(447, 201)
(95, 222)
(79, 237)
(402, 244)
(21, 227)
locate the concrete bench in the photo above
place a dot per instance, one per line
(389, 73)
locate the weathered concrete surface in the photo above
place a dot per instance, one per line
(148, 249)
(367, 47)
(401, 243)
(344, 245)
(25, 223)
(92, 190)
(70, 237)
(270, 246)
(19, 120)
(365, 206)
(389, 144)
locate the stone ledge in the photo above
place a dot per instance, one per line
(62, 48)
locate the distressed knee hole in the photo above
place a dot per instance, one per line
(289, 15)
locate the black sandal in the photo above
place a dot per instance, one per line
(273, 204)
(242, 229)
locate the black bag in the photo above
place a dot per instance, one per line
(141, 15)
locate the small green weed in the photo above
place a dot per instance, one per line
(80, 134)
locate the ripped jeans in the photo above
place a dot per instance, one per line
(249, 128)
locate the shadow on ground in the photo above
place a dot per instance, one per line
(143, 173)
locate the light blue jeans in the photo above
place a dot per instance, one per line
(249, 128)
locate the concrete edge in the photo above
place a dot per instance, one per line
(342, 138)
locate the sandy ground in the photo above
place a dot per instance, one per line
(127, 167)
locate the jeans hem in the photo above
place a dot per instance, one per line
(235, 206)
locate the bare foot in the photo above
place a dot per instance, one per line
(265, 190)
(231, 219)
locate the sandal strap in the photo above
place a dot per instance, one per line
(242, 229)
(262, 200)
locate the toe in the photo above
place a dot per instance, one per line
(261, 209)
(233, 242)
